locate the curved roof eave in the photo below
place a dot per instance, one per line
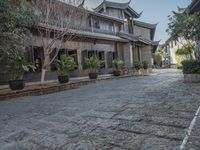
(112, 4)
(118, 6)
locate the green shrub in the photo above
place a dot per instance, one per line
(65, 64)
(191, 66)
(93, 63)
(137, 65)
(157, 59)
(17, 65)
(118, 64)
(145, 64)
(183, 51)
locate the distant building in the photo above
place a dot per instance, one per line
(169, 51)
(110, 31)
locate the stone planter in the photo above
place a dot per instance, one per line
(16, 84)
(192, 78)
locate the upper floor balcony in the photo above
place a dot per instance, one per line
(75, 26)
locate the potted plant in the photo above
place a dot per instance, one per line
(64, 65)
(137, 65)
(17, 66)
(93, 63)
(145, 66)
(117, 64)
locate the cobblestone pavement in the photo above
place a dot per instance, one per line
(143, 113)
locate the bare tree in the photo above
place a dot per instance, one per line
(58, 22)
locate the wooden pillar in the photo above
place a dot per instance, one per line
(92, 24)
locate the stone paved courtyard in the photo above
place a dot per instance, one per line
(143, 113)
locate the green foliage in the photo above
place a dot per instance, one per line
(118, 64)
(184, 25)
(160, 51)
(17, 65)
(157, 59)
(145, 64)
(137, 65)
(183, 51)
(16, 18)
(93, 63)
(65, 64)
(191, 66)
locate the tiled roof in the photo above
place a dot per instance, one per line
(134, 38)
(118, 6)
(144, 24)
(112, 5)
(92, 12)
(128, 36)
(194, 6)
(105, 16)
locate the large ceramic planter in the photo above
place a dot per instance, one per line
(63, 79)
(93, 75)
(192, 78)
(116, 73)
(16, 84)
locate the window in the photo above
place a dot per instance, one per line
(73, 54)
(110, 59)
(84, 55)
(101, 56)
(38, 55)
(96, 24)
(93, 53)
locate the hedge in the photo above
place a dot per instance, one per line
(191, 66)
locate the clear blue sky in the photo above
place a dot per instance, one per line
(154, 11)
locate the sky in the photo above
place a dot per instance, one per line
(154, 11)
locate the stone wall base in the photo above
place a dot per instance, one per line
(192, 78)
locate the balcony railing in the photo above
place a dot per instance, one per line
(78, 27)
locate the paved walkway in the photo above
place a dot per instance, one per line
(144, 113)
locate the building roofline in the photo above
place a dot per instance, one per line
(145, 24)
(193, 5)
(94, 13)
(105, 16)
(118, 6)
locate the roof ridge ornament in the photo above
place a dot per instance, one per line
(82, 3)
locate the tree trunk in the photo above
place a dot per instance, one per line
(43, 75)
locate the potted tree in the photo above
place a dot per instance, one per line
(145, 65)
(64, 65)
(17, 66)
(117, 64)
(137, 65)
(93, 63)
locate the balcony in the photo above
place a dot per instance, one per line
(76, 27)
